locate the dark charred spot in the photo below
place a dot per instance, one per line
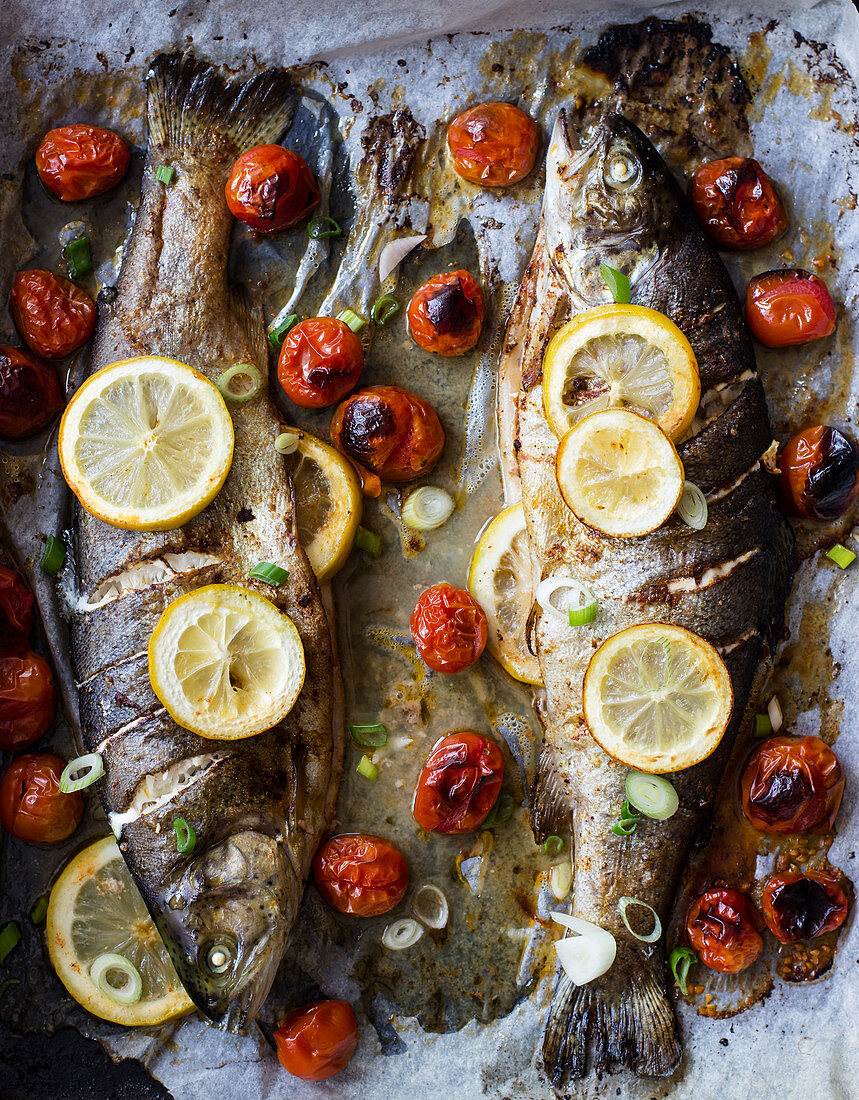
(366, 421)
(581, 390)
(450, 309)
(831, 483)
(244, 515)
(786, 793)
(803, 908)
(305, 599)
(107, 295)
(324, 374)
(390, 143)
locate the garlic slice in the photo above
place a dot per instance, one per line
(395, 252)
(587, 955)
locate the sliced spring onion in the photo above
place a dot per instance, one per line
(651, 937)
(272, 574)
(576, 598)
(774, 714)
(164, 173)
(581, 616)
(395, 252)
(367, 768)
(430, 906)
(186, 838)
(763, 725)
(841, 555)
(286, 443)
(588, 954)
(501, 812)
(401, 934)
(692, 506)
(617, 283)
(92, 766)
(628, 821)
(354, 320)
(651, 795)
(130, 991)
(249, 389)
(39, 910)
(680, 959)
(53, 556)
(277, 334)
(552, 845)
(323, 226)
(371, 736)
(386, 308)
(369, 542)
(561, 880)
(4, 986)
(10, 937)
(427, 508)
(78, 256)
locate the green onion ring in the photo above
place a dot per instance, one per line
(352, 319)
(552, 845)
(10, 937)
(321, 227)
(624, 828)
(581, 616)
(369, 542)
(186, 838)
(680, 959)
(386, 308)
(763, 725)
(286, 443)
(53, 556)
(78, 256)
(841, 555)
(247, 370)
(692, 506)
(91, 764)
(427, 508)
(39, 910)
(164, 173)
(272, 574)
(651, 937)
(371, 736)
(651, 795)
(367, 768)
(130, 991)
(277, 335)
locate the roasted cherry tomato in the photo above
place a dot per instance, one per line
(737, 203)
(446, 313)
(459, 783)
(792, 786)
(80, 161)
(803, 906)
(317, 1041)
(32, 806)
(320, 362)
(52, 314)
(28, 700)
(449, 628)
(271, 188)
(819, 473)
(722, 926)
(360, 874)
(30, 395)
(493, 144)
(390, 432)
(790, 306)
(16, 614)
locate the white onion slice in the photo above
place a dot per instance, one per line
(578, 596)
(775, 714)
(130, 991)
(427, 508)
(395, 252)
(430, 906)
(587, 955)
(652, 936)
(561, 880)
(401, 934)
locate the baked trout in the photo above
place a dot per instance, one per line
(610, 198)
(258, 806)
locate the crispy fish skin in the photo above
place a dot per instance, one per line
(258, 806)
(728, 582)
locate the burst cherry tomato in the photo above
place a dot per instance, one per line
(28, 700)
(30, 395)
(80, 161)
(819, 473)
(361, 874)
(449, 628)
(32, 806)
(271, 188)
(722, 926)
(737, 203)
(804, 906)
(388, 431)
(493, 144)
(790, 306)
(459, 783)
(317, 1041)
(320, 362)
(792, 786)
(446, 313)
(52, 314)
(16, 614)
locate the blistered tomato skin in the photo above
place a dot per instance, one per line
(30, 394)
(320, 362)
(53, 315)
(459, 783)
(722, 926)
(493, 144)
(16, 614)
(32, 806)
(789, 307)
(802, 906)
(449, 628)
(446, 313)
(792, 785)
(28, 700)
(80, 161)
(737, 203)
(361, 874)
(317, 1041)
(819, 473)
(271, 188)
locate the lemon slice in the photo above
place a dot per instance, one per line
(619, 473)
(621, 356)
(328, 504)
(225, 662)
(501, 580)
(95, 910)
(657, 698)
(146, 443)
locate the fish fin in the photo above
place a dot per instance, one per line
(188, 100)
(551, 812)
(622, 1018)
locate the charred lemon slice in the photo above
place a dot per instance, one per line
(501, 580)
(146, 443)
(619, 473)
(225, 662)
(621, 356)
(104, 947)
(657, 698)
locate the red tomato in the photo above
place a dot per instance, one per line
(360, 874)
(737, 203)
(30, 395)
(388, 431)
(446, 313)
(53, 315)
(16, 613)
(494, 144)
(792, 786)
(320, 362)
(790, 306)
(32, 806)
(449, 628)
(722, 926)
(804, 906)
(459, 783)
(317, 1041)
(271, 188)
(80, 161)
(28, 700)
(819, 473)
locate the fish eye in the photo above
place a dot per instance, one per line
(219, 958)
(621, 170)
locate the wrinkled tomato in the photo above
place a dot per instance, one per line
(449, 628)
(459, 783)
(801, 906)
(787, 307)
(52, 314)
(317, 1041)
(32, 806)
(446, 313)
(271, 188)
(81, 161)
(737, 203)
(792, 786)
(320, 362)
(819, 473)
(722, 926)
(30, 395)
(390, 432)
(493, 144)
(16, 614)
(361, 874)
(28, 700)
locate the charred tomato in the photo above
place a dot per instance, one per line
(722, 926)
(28, 700)
(788, 307)
(493, 144)
(320, 362)
(30, 395)
(819, 473)
(446, 313)
(737, 203)
(53, 315)
(317, 1041)
(792, 786)
(81, 161)
(802, 906)
(361, 874)
(16, 614)
(271, 188)
(449, 628)
(459, 783)
(32, 806)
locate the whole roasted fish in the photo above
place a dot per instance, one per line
(610, 198)
(258, 806)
